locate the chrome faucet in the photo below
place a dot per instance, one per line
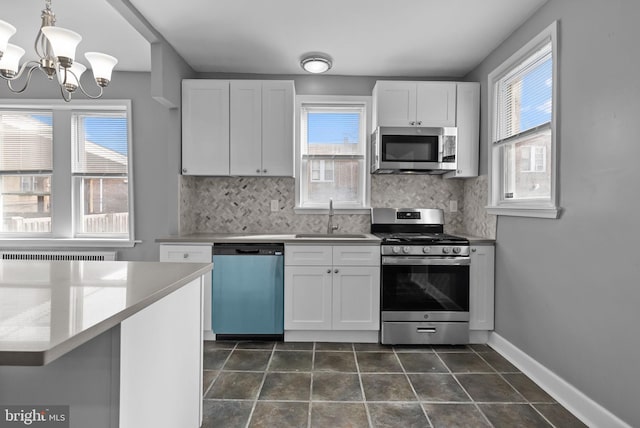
(330, 226)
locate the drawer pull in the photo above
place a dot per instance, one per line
(185, 256)
(426, 330)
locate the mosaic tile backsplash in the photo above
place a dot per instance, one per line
(242, 204)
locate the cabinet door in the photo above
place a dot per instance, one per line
(307, 298)
(436, 104)
(481, 287)
(277, 128)
(356, 298)
(468, 124)
(205, 127)
(395, 103)
(246, 127)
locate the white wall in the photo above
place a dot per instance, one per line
(568, 290)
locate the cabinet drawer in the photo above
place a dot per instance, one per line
(356, 255)
(185, 253)
(307, 255)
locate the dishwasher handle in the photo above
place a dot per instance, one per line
(247, 251)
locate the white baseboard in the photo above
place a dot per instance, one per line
(583, 407)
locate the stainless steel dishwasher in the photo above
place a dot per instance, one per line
(248, 291)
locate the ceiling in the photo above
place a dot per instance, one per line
(406, 38)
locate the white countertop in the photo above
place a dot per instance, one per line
(217, 238)
(48, 308)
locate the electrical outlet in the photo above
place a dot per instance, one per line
(453, 206)
(274, 205)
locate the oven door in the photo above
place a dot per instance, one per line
(425, 288)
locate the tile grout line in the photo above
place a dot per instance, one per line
(219, 371)
(313, 363)
(364, 398)
(426, 415)
(264, 377)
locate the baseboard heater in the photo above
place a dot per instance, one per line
(58, 255)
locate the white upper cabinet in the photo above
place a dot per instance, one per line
(257, 121)
(205, 127)
(468, 124)
(406, 103)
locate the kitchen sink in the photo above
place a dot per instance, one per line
(331, 235)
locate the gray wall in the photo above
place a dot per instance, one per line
(568, 290)
(155, 148)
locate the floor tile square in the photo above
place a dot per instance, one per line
(333, 346)
(336, 387)
(528, 388)
(286, 386)
(412, 348)
(392, 415)
(498, 362)
(266, 345)
(489, 388)
(455, 416)
(225, 414)
(451, 348)
(208, 377)
(372, 347)
(248, 360)
(387, 387)
(218, 344)
(213, 359)
(422, 362)
(378, 362)
(280, 414)
(235, 386)
(437, 387)
(559, 416)
(335, 361)
(338, 415)
(465, 362)
(295, 361)
(513, 415)
(294, 346)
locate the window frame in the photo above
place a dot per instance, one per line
(64, 198)
(363, 102)
(541, 208)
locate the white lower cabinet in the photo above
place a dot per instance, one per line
(193, 253)
(332, 288)
(482, 287)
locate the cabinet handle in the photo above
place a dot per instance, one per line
(473, 250)
(419, 122)
(336, 271)
(328, 270)
(412, 123)
(184, 170)
(257, 171)
(264, 171)
(185, 255)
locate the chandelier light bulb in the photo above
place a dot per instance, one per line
(70, 77)
(10, 61)
(63, 42)
(6, 31)
(102, 66)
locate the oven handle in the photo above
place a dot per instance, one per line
(427, 261)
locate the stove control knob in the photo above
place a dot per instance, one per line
(426, 250)
(395, 250)
(446, 250)
(406, 250)
(456, 250)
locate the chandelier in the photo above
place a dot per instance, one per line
(56, 48)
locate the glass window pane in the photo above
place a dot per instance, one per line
(524, 177)
(26, 203)
(344, 185)
(25, 141)
(332, 133)
(105, 205)
(101, 143)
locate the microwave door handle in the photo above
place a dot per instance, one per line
(440, 148)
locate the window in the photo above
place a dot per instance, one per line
(332, 147)
(65, 172)
(522, 173)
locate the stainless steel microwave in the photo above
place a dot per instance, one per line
(413, 150)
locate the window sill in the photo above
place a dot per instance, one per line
(66, 243)
(337, 211)
(525, 212)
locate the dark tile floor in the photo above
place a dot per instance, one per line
(333, 385)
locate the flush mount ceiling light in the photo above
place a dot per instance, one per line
(56, 49)
(315, 64)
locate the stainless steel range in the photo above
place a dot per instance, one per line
(425, 278)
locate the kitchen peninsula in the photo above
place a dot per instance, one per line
(120, 343)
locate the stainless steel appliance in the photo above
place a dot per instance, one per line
(416, 150)
(425, 278)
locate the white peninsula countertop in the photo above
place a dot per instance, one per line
(48, 308)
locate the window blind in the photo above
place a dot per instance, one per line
(100, 144)
(524, 96)
(26, 142)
